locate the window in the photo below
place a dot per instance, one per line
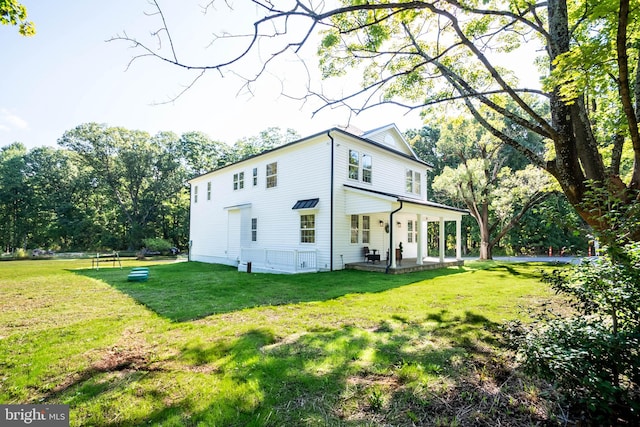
(354, 164)
(238, 181)
(195, 194)
(413, 182)
(272, 175)
(209, 190)
(254, 229)
(412, 231)
(366, 168)
(308, 228)
(366, 229)
(255, 176)
(354, 228)
(409, 182)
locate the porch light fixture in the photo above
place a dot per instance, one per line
(399, 224)
(381, 222)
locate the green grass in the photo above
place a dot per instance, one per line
(201, 344)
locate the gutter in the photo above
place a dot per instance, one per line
(391, 227)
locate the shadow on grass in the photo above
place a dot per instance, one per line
(187, 291)
(522, 269)
(400, 373)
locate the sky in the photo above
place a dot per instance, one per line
(69, 74)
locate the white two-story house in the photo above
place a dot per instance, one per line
(315, 205)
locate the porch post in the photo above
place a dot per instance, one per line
(458, 239)
(442, 240)
(419, 230)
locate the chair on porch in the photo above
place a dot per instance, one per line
(370, 256)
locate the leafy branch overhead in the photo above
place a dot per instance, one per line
(14, 13)
(418, 54)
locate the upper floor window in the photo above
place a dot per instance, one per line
(308, 228)
(360, 166)
(195, 194)
(255, 176)
(272, 175)
(366, 168)
(413, 182)
(354, 164)
(209, 190)
(238, 181)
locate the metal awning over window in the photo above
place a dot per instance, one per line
(306, 204)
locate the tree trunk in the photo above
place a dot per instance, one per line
(485, 233)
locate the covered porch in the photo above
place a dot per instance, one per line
(399, 231)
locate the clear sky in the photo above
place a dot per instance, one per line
(68, 74)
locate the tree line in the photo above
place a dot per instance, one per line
(108, 188)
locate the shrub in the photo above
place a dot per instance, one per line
(21, 253)
(594, 357)
(157, 245)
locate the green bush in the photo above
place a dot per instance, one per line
(20, 253)
(157, 245)
(594, 357)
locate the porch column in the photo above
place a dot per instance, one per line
(442, 240)
(458, 239)
(419, 230)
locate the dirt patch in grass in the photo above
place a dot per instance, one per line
(485, 392)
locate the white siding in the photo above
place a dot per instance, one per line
(302, 174)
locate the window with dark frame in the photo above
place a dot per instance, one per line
(209, 190)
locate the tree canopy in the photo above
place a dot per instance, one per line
(417, 54)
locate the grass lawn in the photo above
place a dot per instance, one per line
(202, 344)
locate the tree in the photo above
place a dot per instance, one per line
(201, 154)
(14, 198)
(417, 54)
(497, 197)
(14, 13)
(140, 172)
(267, 139)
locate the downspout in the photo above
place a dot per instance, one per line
(331, 203)
(391, 227)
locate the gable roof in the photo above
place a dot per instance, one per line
(403, 148)
(390, 136)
